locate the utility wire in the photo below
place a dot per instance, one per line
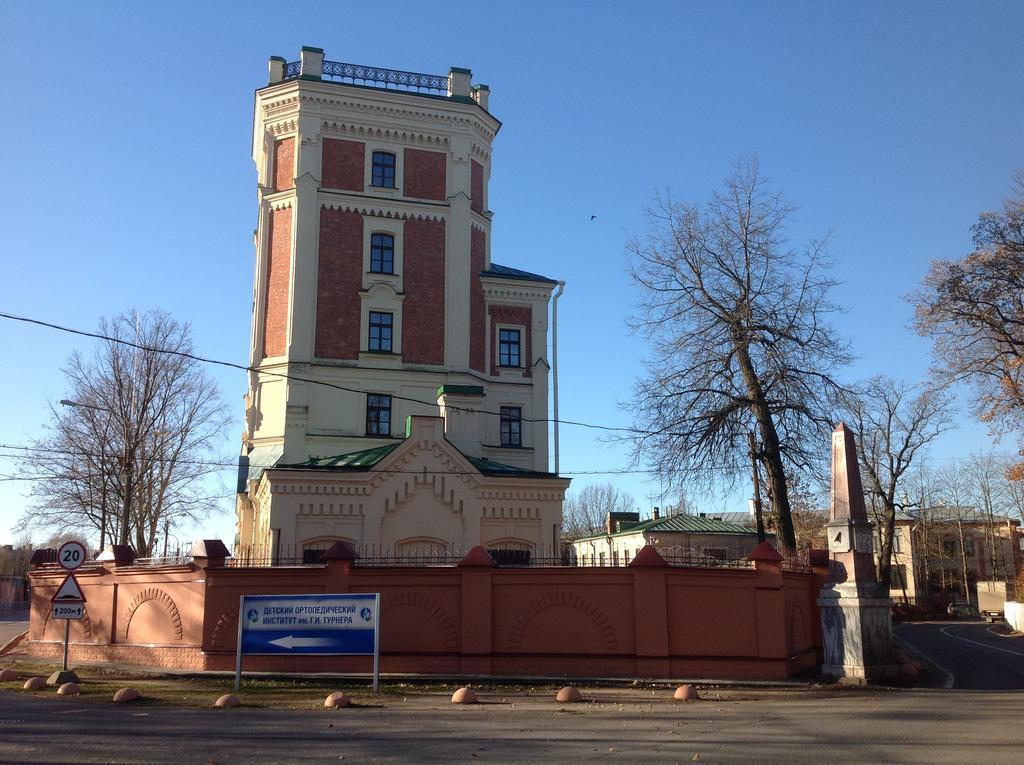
(299, 378)
(234, 465)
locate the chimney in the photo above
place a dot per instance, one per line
(656, 513)
(464, 424)
(609, 525)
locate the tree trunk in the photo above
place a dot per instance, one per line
(885, 554)
(771, 454)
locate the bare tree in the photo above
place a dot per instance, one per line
(986, 473)
(892, 426)
(956, 489)
(973, 310)
(741, 341)
(127, 455)
(585, 511)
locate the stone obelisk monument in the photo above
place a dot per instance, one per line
(856, 617)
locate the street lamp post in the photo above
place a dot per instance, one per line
(103, 495)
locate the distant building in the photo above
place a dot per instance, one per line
(697, 537)
(400, 396)
(934, 548)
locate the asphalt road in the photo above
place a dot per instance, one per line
(12, 624)
(792, 726)
(973, 653)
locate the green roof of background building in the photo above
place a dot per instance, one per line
(682, 524)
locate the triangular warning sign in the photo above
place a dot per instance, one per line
(69, 592)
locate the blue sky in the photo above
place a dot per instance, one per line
(129, 182)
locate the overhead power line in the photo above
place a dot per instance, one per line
(299, 378)
(234, 465)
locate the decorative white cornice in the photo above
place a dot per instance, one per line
(506, 290)
(397, 209)
(284, 127)
(284, 201)
(385, 135)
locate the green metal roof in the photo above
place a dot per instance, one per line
(461, 390)
(367, 458)
(507, 272)
(490, 467)
(353, 460)
(682, 524)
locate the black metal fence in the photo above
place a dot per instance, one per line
(440, 554)
(358, 74)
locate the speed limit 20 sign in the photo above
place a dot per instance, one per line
(71, 555)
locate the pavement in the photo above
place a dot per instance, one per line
(12, 624)
(971, 655)
(804, 723)
(841, 724)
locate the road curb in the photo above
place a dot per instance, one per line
(918, 656)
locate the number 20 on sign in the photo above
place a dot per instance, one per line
(71, 555)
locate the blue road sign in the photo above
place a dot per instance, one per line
(308, 624)
(321, 624)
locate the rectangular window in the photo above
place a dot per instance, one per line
(381, 325)
(508, 347)
(383, 169)
(378, 414)
(382, 253)
(969, 546)
(899, 577)
(511, 426)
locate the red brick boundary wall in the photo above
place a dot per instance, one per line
(646, 620)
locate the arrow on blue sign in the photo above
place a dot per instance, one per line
(290, 641)
(309, 641)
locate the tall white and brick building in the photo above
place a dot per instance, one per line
(375, 301)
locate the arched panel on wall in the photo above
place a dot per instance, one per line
(422, 547)
(161, 604)
(313, 547)
(225, 629)
(416, 624)
(799, 635)
(509, 543)
(558, 619)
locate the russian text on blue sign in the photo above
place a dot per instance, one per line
(308, 624)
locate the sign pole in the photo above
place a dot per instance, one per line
(238, 644)
(376, 643)
(67, 635)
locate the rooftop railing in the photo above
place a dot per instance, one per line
(357, 74)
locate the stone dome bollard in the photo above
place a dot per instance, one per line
(227, 701)
(568, 695)
(686, 693)
(464, 696)
(7, 675)
(35, 684)
(337, 700)
(69, 689)
(125, 695)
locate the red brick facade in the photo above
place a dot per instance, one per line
(343, 164)
(339, 279)
(284, 164)
(517, 316)
(279, 264)
(425, 174)
(476, 185)
(423, 309)
(477, 328)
